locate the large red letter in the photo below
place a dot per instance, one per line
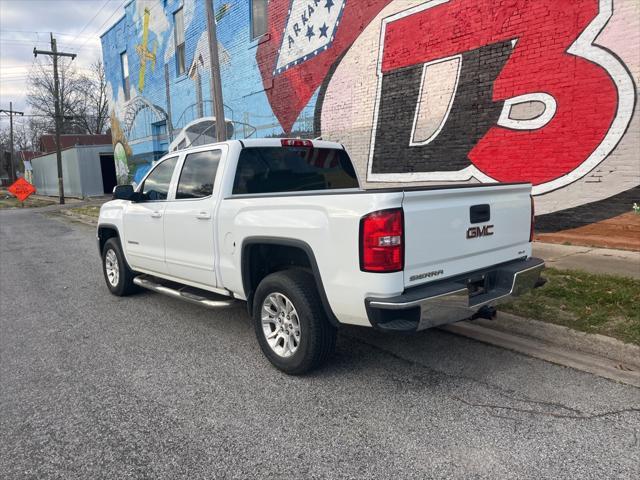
(585, 95)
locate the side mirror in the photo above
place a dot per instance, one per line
(123, 192)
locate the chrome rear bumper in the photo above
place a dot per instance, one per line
(455, 299)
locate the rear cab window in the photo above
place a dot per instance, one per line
(293, 169)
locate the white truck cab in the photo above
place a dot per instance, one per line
(283, 225)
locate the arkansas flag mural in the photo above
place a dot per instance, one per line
(306, 37)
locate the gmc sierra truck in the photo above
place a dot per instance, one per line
(285, 226)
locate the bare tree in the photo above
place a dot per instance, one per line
(92, 111)
(5, 169)
(85, 107)
(41, 98)
(20, 142)
(36, 127)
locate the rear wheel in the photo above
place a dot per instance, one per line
(117, 274)
(290, 323)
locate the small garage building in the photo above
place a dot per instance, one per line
(88, 171)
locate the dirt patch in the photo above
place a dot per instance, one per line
(9, 201)
(621, 232)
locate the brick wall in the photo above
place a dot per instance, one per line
(419, 92)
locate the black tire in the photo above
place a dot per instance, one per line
(124, 286)
(317, 335)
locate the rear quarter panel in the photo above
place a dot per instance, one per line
(329, 224)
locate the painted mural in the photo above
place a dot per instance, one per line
(418, 91)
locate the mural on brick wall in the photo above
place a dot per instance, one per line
(418, 91)
(151, 97)
(467, 90)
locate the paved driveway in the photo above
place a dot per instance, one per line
(94, 386)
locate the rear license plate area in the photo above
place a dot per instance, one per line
(476, 286)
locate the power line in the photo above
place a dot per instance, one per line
(91, 21)
(13, 67)
(24, 72)
(43, 33)
(67, 117)
(104, 23)
(69, 44)
(31, 42)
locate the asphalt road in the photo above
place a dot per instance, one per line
(94, 386)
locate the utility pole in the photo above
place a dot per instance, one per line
(216, 81)
(11, 113)
(54, 54)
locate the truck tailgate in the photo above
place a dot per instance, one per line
(452, 231)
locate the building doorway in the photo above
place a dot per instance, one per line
(108, 168)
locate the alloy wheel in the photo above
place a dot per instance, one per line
(281, 324)
(112, 268)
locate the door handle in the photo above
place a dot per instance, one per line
(203, 216)
(156, 214)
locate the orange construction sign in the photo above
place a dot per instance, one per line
(22, 189)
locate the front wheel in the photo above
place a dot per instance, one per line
(290, 322)
(117, 274)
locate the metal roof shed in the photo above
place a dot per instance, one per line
(88, 171)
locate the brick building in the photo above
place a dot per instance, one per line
(418, 91)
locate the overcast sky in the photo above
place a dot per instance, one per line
(24, 24)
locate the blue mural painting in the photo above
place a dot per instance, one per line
(156, 59)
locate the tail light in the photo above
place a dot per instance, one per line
(533, 219)
(296, 142)
(382, 241)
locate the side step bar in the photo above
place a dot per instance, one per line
(184, 292)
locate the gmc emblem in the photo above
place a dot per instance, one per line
(476, 232)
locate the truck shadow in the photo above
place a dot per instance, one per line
(430, 354)
(426, 355)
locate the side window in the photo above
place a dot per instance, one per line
(124, 65)
(178, 33)
(198, 174)
(156, 185)
(258, 18)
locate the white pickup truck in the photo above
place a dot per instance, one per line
(283, 225)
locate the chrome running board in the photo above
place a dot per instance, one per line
(184, 292)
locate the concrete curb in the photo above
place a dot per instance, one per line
(594, 260)
(592, 344)
(595, 354)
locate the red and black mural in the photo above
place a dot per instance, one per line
(473, 111)
(465, 90)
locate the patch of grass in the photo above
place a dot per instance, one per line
(7, 201)
(604, 304)
(90, 211)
